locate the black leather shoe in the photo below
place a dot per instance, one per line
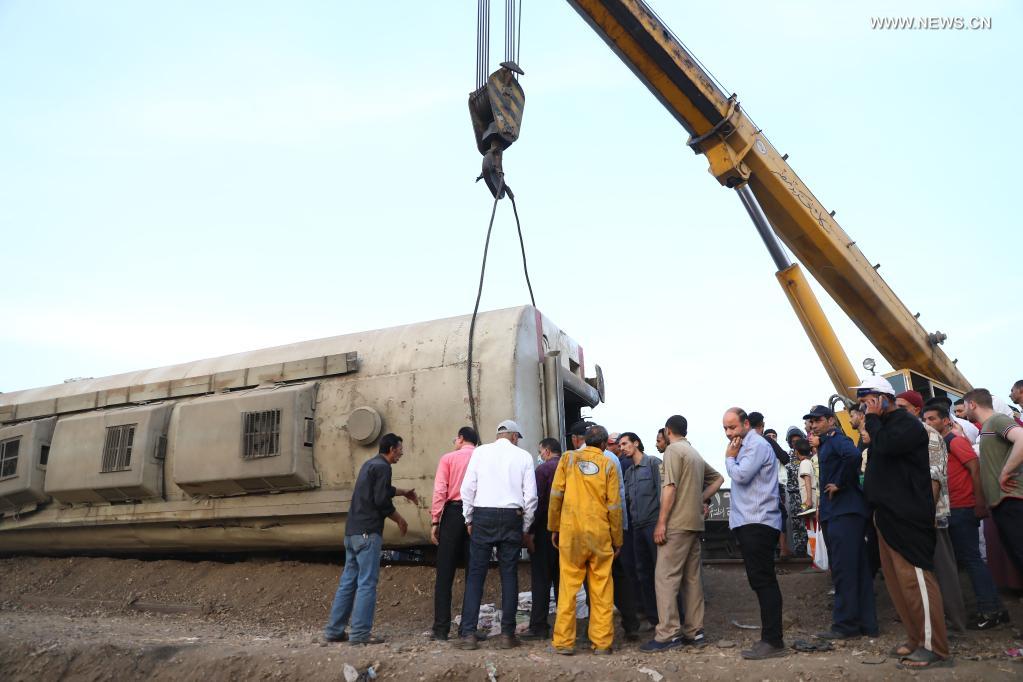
(508, 642)
(530, 636)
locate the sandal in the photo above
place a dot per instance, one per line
(922, 659)
(901, 651)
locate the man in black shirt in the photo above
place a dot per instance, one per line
(356, 595)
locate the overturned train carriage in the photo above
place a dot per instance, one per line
(260, 450)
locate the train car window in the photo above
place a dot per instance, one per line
(117, 448)
(9, 458)
(261, 434)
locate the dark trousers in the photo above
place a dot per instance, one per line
(963, 530)
(757, 542)
(1008, 518)
(500, 528)
(873, 551)
(628, 555)
(855, 611)
(544, 571)
(645, 550)
(452, 552)
(624, 597)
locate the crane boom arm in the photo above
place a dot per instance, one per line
(739, 154)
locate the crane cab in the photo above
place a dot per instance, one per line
(908, 380)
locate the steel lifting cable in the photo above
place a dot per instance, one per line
(518, 43)
(509, 30)
(512, 44)
(479, 290)
(522, 247)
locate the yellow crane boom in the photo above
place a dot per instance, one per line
(742, 158)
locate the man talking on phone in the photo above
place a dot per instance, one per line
(898, 487)
(755, 518)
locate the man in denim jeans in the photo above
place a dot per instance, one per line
(356, 595)
(498, 503)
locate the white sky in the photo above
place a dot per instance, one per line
(188, 179)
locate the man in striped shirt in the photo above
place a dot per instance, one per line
(755, 518)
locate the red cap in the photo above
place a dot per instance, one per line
(913, 398)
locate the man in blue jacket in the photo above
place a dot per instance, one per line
(844, 516)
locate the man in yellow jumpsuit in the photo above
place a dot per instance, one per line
(585, 519)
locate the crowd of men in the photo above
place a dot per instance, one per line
(905, 498)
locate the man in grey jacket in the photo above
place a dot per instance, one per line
(643, 501)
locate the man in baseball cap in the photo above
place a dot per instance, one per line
(498, 503)
(612, 443)
(508, 426)
(944, 557)
(819, 412)
(844, 516)
(897, 485)
(874, 385)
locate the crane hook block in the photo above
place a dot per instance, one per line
(496, 113)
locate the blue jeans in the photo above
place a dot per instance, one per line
(500, 528)
(963, 529)
(356, 596)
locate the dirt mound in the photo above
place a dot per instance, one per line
(263, 591)
(124, 619)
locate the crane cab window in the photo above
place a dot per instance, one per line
(908, 380)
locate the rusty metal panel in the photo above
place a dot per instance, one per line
(191, 386)
(156, 391)
(39, 408)
(341, 363)
(265, 374)
(76, 403)
(223, 381)
(303, 369)
(110, 397)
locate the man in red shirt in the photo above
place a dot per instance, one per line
(447, 529)
(968, 507)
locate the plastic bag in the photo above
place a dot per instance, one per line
(820, 551)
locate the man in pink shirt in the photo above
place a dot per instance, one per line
(447, 529)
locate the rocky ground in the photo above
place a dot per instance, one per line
(122, 619)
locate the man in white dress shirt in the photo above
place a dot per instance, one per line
(498, 502)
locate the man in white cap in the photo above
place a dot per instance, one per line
(897, 485)
(498, 503)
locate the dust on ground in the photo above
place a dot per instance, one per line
(122, 619)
